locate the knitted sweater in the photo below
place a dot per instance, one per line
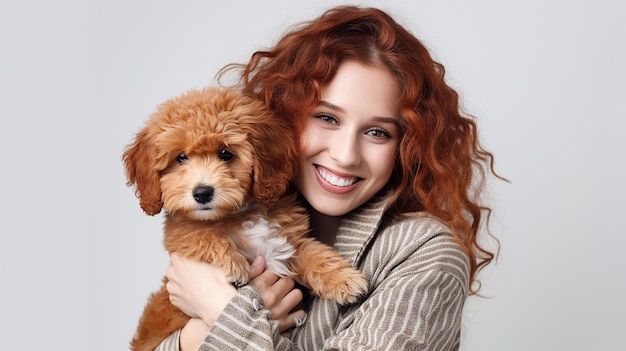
(418, 282)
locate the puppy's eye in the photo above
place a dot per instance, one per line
(226, 155)
(182, 158)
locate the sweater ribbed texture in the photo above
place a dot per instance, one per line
(418, 283)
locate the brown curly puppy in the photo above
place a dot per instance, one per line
(219, 163)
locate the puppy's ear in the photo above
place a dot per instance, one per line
(275, 158)
(141, 172)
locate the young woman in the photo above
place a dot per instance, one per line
(390, 171)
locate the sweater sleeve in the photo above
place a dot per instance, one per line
(245, 324)
(417, 312)
(416, 301)
(418, 279)
(171, 343)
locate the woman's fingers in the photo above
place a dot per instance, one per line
(279, 296)
(286, 304)
(257, 267)
(292, 320)
(264, 280)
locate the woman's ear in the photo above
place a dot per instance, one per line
(141, 172)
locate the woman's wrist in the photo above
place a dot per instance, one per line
(216, 303)
(192, 334)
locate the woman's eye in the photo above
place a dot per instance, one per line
(182, 158)
(226, 155)
(326, 118)
(379, 133)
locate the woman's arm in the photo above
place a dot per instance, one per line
(414, 312)
(420, 311)
(272, 297)
(415, 301)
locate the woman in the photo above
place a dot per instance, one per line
(390, 172)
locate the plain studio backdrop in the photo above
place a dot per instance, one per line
(545, 80)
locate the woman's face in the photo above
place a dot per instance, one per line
(350, 140)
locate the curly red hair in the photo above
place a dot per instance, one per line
(440, 167)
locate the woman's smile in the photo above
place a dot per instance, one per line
(335, 182)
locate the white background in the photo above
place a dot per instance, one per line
(78, 79)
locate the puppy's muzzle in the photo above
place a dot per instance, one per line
(203, 194)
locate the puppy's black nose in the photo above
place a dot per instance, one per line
(203, 194)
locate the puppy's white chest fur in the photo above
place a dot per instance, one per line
(261, 239)
(256, 235)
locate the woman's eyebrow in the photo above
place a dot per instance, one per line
(389, 120)
(332, 106)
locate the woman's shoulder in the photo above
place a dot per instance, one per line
(417, 227)
(423, 220)
(422, 242)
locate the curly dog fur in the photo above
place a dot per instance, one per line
(219, 163)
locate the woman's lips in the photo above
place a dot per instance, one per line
(334, 182)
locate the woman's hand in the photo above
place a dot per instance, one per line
(279, 295)
(202, 291)
(197, 288)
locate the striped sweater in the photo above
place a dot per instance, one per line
(418, 282)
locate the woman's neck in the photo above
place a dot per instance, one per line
(323, 227)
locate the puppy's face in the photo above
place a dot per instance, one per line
(204, 153)
(209, 178)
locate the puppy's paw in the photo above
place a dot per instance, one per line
(345, 287)
(237, 270)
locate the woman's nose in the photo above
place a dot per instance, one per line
(345, 150)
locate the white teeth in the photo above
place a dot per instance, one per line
(334, 180)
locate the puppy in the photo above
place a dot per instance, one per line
(219, 163)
